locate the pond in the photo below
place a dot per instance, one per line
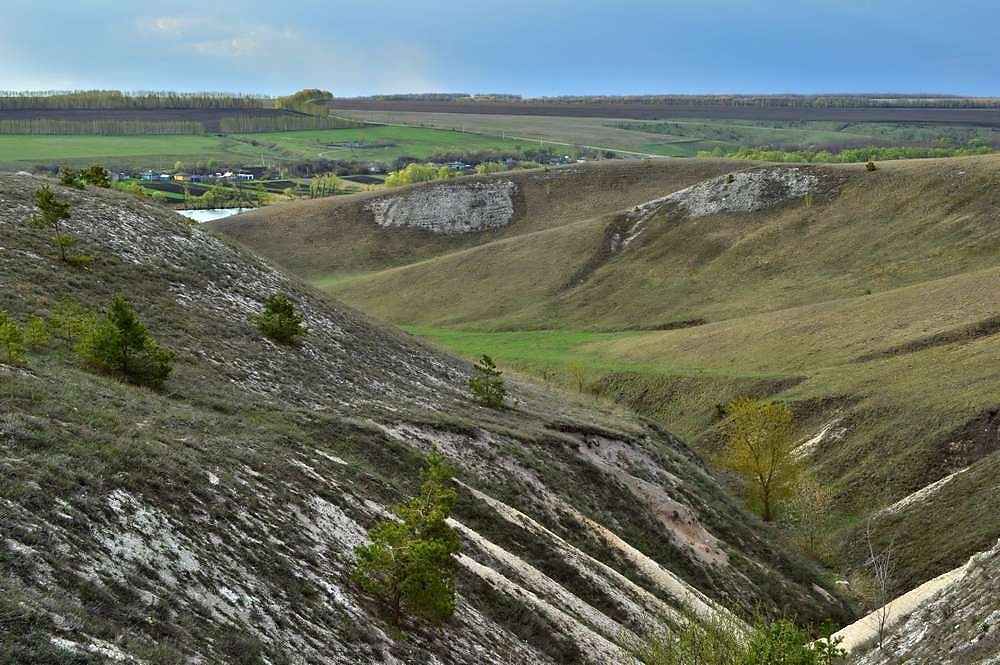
(211, 214)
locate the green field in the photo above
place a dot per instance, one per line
(685, 137)
(377, 143)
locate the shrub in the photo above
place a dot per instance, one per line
(70, 320)
(97, 176)
(36, 334)
(279, 320)
(11, 339)
(490, 167)
(70, 178)
(870, 166)
(120, 344)
(488, 387)
(410, 562)
(722, 639)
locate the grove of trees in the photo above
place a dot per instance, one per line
(116, 99)
(50, 126)
(416, 172)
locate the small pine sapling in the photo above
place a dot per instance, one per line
(11, 340)
(487, 386)
(279, 320)
(120, 344)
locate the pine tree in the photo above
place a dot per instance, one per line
(69, 178)
(11, 339)
(120, 344)
(488, 387)
(410, 562)
(279, 320)
(53, 212)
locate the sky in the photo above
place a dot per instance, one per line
(532, 48)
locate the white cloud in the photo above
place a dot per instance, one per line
(169, 25)
(236, 47)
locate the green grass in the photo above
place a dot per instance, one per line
(25, 150)
(677, 138)
(403, 141)
(160, 152)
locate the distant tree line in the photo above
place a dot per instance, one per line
(281, 123)
(116, 99)
(887, 100)
(45, 126)
(850, 155)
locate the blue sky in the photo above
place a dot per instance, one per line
(540, 47)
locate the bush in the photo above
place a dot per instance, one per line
(70, 178)
(870, 166)
(488, 387)
(36, 334)
(97, 176)
(70, 320)
(279, 320)
(11, 340)
(722, 639)
(120, 344)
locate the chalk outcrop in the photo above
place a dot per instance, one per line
(450, 208)
(740, 192)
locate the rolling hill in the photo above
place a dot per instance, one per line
(867, 300)
(215, 521)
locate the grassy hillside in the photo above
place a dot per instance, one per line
(331, 241)
(870, 306)
(215, 521)
(865, 232)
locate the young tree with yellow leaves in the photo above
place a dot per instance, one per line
(759, 449)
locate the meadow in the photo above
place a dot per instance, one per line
(685, 137)
(375, 144)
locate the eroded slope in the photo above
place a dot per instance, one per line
(214, 522)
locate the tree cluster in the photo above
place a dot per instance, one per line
(116, 99)
(248, 124)
(324, 185)
(415, 172)
(51, 126)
